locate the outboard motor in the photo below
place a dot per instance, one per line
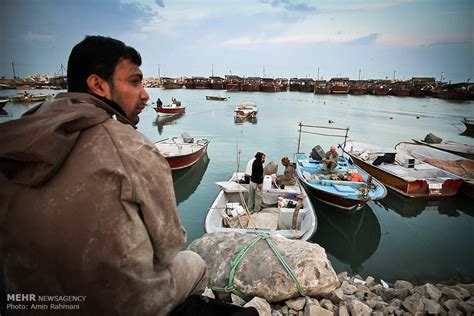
(317, 153)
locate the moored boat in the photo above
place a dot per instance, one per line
(216, 98)
(464, 150)
(332, 189)
(170, 109)
(246, 109)
(233, 83)
(339, 85)
(448, 162)
(29, 97)
(251, 84)
(469, 123)
(403, 173)
(287, 212)
(182, 152)
(171, 83)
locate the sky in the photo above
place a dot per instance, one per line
(276, 38)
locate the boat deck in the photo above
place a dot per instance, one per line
(175, 147)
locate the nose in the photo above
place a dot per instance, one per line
(144, 95)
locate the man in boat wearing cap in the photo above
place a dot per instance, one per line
(330, 160)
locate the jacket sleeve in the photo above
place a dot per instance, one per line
(153, 193)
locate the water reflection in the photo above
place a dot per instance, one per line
(162, 120)
(186, 180)
(3, 112)
(407, 207)
(241, 120)
(351, 239)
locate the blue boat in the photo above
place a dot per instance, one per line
(332, 189)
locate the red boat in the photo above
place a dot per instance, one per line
(251, 84)
(339, 85)
(182, 152)
(217, 83)
(170, 109)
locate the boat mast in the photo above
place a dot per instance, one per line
(212, 70)
(14, 74)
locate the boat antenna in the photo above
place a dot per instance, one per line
(299, 137)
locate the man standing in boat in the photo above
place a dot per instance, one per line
(254, 202)
(87, 203)
(330, 160)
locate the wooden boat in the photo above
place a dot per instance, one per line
(3, 102)
(171, 83)
(469, 123)
(170, 109)
(182, 152)
(29, 97)
(460, 166)
(217, 83)
(321, 87)
(339, 85)
(233, 83)
(464, 150)
(402, 172)
(294, 219)
(216, 98)
(251, 84)
(269, 85)
(246, 110)
(332, 189)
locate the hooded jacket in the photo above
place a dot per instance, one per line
(87, 207)
(257, 169)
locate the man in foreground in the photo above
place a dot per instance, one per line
(87, 205)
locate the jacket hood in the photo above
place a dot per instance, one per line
(34, 147)
(258, 156)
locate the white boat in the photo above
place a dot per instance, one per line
(182, 152)
(449, 162)
(294, 219)
(246, 109)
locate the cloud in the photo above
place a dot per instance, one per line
(37, 36)
(289, 6)
(160, 3)
(364, 6)
(365, 40)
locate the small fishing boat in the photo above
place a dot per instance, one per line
(29, 97)
(469, 123)
(403, 173)
(448, 162)
(216, 98)
(246, 110)
(182, 152)
(464, 150)
(286, 212)
(3, 102)
(170, 109)
(334, 189)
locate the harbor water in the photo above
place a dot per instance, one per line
(395, 238)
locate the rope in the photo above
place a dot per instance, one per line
(230, 288)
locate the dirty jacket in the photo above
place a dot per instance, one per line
(87, 207)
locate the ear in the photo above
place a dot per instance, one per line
(98, 86)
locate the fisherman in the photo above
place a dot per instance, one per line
(254, 202)
(87, 205)
(289, 175)
(330, 160)
(159, 104)
(248, 171)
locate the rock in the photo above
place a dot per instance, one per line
(396, 303)
(343, 310)
(403, 285)
(237, 300)
(377, 313)
(386, 294)
(462, 291)
(432, 307)
(208, 292)
(312, 301)
(455, 312)
(357, 281)
(261, 305)
(466, 308)
(347, 288)
(450, 304)
(313, 310)
(370, 281)
(357, 308)
(469, 287)
(260, 273)
(284, 310)
(335, 296)
(296, 304)
(429, 291)
(277, 313)
(414, 304)
(371, 303)
(327, 304)
(451, 293)
(342, 276)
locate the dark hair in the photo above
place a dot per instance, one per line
(96, 55)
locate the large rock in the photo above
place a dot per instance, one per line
(429, 291)
(260, 273)
(261, 306)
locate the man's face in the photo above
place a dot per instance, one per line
(126, 89)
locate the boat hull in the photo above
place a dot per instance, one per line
(413, 189)
(181, 162)
(347, 205)
(170, 111)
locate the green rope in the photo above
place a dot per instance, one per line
(238, 258)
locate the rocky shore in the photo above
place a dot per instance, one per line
(355, 296)
(260, 277)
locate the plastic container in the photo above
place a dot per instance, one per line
(267, 183)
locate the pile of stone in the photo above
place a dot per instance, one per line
(261, 277)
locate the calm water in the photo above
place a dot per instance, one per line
(396, 238)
